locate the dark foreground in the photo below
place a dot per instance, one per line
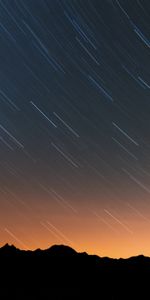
(61, 273)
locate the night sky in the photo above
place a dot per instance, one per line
(75, 125)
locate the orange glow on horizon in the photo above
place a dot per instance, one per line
(83, 232)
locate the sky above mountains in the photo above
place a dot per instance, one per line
(74, 125)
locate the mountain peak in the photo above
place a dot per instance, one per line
(8, 246)
(61, 249)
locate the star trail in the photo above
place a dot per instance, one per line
(75, 125)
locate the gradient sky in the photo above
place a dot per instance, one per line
(75, 125)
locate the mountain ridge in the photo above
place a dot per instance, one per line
(60, 272)
(67, 249)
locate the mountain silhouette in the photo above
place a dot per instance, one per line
(60, 272)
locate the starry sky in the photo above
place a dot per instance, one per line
(75, 125)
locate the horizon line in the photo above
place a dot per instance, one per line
(78, 252)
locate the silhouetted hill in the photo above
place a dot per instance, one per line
(60, 272)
